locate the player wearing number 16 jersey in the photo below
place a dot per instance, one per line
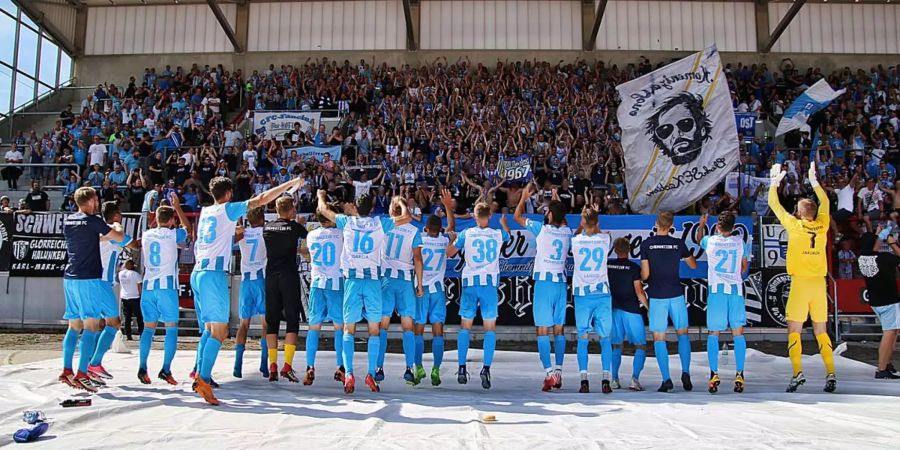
(159, 302)
(725, 253)
(553, 240)
(481, 277)
(593, 302)
(807, 266)
(360, 263)
(326, 294)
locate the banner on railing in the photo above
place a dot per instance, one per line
(275, 124)
(6, 228)
(319, 153)
(39, 247)
(774, 245)
(746, 125)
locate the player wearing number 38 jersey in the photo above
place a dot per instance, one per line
(807, 265)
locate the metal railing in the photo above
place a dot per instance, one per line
(834, 312)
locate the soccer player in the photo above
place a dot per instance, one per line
(360, 262)
(806, 264)
(282, 237)
(401, 270)
(159, 302)
(628, 297)
(593, 303)
(660, 257)
(83, 231)
(553, 242)
(481, 277)
(109, 305)
(252, 300)
(326, 294)
(432, 307)
(725, 253)
(215, 235)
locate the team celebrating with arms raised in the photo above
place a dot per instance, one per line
(365, 267)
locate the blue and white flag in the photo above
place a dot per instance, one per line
(515, 170)
(316, 151)
(811, 101)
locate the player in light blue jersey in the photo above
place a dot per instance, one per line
(109, 306)
(553, 241)
(481, 246)
(252, 297)
(209, 280)
(432, 307)
(159, 302)
(401, 271)
(361, 255)
(326, 293)
(725, 309)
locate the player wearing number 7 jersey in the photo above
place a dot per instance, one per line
(553, 240)
(209, 280)
(252, 299)
(807, 265)
(159, 302)
(481, 277)
(727, 258)
(360, 262)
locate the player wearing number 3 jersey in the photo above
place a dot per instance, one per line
(807, 265)
(552, 249)
(481, 277)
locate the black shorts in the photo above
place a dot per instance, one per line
(282, 301)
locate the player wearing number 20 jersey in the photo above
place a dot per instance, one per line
(326, 296)
(593, 302)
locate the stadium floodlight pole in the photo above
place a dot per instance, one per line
(226, 27)
(783, 24)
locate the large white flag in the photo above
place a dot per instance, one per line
(811, 101)
(678, 133)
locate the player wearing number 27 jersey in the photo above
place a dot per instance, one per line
(807, 266)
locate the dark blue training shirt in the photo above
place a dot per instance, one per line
(622, 275)
(664, 254)
(82, 234)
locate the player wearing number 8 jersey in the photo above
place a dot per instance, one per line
(807, 265)
(159, 301)
(481, 277)
(593, 302)
(360, 263)
(726, 257)
(553, 240)
(212, 252)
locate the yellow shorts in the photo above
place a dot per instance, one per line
(807, 298)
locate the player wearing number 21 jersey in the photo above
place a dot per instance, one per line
(552, 249)
(593, 302)
(807, 265)
(481, 277)
(726, 256)
(159, 302)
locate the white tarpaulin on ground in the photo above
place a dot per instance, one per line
(678, 133)
(274, 124)
(864, 413)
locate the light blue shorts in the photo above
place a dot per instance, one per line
(252, 300)
(398, 295)
(362, 296)
(725, 311)
(484, 298)
(549, 306)
(211, 296)
(81, 298)
(628, 326)
(889, 316)
(593, 311)
(661, 309)
(159, 305)
(106, 300)
(325, 305)
(432, 308)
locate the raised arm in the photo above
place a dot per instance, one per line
(701, 227)
(519, 214)
(776, 175)
(268, 196)
(447, 201)
(823, 217)
(322, 207)
(182, 218)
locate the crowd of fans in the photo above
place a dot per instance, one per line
(409, 130)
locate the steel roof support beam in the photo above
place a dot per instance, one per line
(783, 24)
(226, 27)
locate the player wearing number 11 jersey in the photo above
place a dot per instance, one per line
(807, 266)
(481, 277)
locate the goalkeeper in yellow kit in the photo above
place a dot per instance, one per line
(807, 265)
